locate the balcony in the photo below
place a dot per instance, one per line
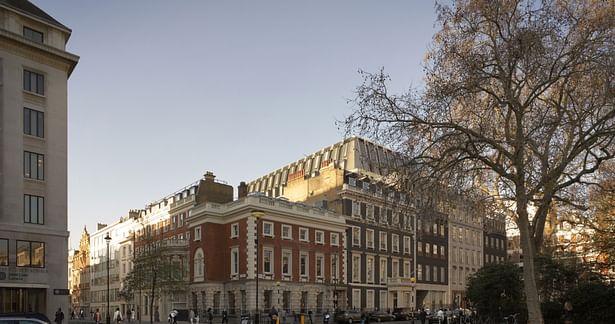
(174, 243)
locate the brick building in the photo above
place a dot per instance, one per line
(300, 253)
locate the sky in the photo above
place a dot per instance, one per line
(167, 90)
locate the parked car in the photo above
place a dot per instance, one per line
(348, 316)
(381, 316)
(23, 318)
(403, 314)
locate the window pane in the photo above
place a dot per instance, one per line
(33, 209)
(27, 173)
(26, 80)
(40, 123)
(26, 209)
(23, 253)
(40, 167)
(40, 84)
(4, 252)
(38, 254)
(26, 121)
(33, 167)
(41, 210)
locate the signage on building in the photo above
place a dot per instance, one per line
(13, 275)
(61, 292)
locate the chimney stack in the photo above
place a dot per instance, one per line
(242, 190)
(209, 176)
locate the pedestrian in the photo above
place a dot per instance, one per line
(422, 315)
(196, 316)
(59, 316)
(273, 314)
(81, 314)
(326, 317)
(117, 316)
(97, 316)
(210, 316)
(224, 317)
(72, 314)
(567, 316)
(191, 316)
(310, 315)
(132, 314)
(294, 315)
(128, 315)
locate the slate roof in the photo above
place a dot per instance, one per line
(30, 9)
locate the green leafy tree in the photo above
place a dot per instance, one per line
(518, 102)
(156, 272)
(592, 302)
(495, 291)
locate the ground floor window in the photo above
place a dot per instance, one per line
(23, 300)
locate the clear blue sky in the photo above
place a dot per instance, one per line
(166, 90)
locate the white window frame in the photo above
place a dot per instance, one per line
(234, 265)
(290, 232)
(369, 212)
(307, 265)
(197, 233)
(356, 209)
(322, 237)
(369, 243)
(234, 230)
(268, 225)
(384, 300)
(356, 298)
(356, 237)
(288, 253)
(370, 269)
(271, 261)
(335, 273)
(334, 239)
(383, 243)
(407, 244)
(407, 269)
(395, 242)
(369, 298)
(383, 269)
(306, 237)
(199, 265)
(321, 268)
(395, 268)
(356, 275)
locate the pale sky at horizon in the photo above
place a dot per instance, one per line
(167, 90)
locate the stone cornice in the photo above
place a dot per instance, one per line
(45, 54)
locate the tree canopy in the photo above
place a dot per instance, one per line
(495, 291)
(518, 102)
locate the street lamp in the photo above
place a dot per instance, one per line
(108, 240)
(277, 284)
(257, 214)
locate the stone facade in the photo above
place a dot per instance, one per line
(34, 70)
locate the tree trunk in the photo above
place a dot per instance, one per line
(151, 300)
(529, 274)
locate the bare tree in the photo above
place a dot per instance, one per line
(519, 101)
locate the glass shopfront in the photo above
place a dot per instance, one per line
(22, 300)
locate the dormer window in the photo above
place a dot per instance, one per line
(33, 35)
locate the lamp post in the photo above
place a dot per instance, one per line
(257, 214)
(108, 240)
(277, 284)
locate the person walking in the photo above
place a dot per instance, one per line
(129, 315)
(59, 317)
(273, 315)
(210, 316)
(422, 315)
(567, 316)
(224, 317)
(97, 316)
(191, 316)
(117, 316)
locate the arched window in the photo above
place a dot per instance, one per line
(199, 265)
